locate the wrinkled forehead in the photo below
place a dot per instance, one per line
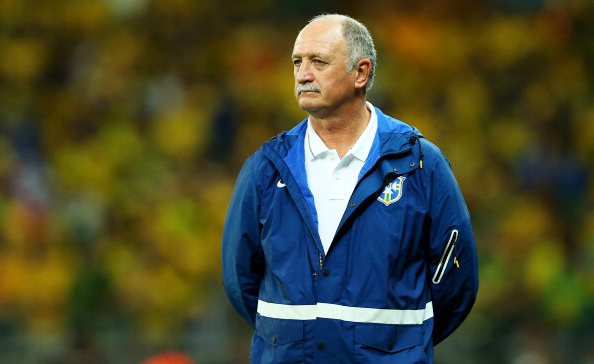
(320, 36)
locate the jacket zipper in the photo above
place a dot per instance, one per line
(445, 257)
(404, 152)
(321, 260)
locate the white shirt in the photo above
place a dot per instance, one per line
(331, 179)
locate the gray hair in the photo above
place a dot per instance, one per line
(359, 43)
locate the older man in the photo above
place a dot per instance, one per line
(347, 239)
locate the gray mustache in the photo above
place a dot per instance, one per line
(307, 87)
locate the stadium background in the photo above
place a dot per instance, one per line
(123, 124)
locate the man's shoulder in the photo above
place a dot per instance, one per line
(257, 160)
(434, 160)
(262, 158)
(429, 147)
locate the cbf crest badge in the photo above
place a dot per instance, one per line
(392, 192)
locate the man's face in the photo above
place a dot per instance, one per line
(322, 83)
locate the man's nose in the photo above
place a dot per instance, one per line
(304, 73)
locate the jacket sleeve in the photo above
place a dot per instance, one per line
(243, 262)
(452, 252)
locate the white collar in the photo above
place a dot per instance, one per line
(314, 146)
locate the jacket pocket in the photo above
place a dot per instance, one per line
(386, 344)
(278, 341)
(445, 257)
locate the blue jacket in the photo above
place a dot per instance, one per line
(399, 277)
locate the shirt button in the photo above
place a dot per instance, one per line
(320, 346)
(337, 176)
(314, 274)
(326, 272)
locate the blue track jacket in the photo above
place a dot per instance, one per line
(399, 277)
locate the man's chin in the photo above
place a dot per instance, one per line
(307, 102)
(308, 106)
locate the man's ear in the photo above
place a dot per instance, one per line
(363, 69)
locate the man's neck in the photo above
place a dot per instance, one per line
(341, 131)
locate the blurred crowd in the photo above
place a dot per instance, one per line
(123, 124)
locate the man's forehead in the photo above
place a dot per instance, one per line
(320, 36)
(313, 47)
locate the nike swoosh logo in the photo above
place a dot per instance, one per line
(280, 184)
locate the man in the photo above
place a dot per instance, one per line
(347, 239)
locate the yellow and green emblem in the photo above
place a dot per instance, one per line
(392, 192)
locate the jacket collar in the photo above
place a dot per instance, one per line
(392, 136)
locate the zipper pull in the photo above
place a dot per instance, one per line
(456, 255)
(416, 139)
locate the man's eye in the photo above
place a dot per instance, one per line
(318, 62)
(296, 62)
